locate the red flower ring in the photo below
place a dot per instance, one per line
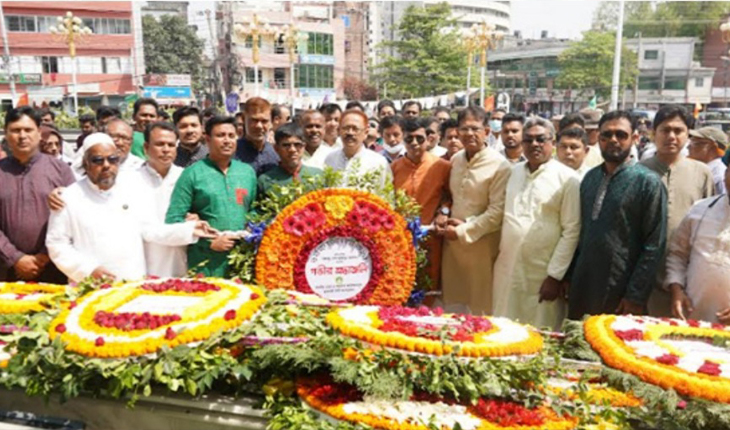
(461, 328)
(300, 278)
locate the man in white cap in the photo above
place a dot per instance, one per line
(707, 145)
(101, 229)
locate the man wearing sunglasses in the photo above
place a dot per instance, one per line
(623, 228)
(425, 177)
(27, 177)
(687, 181)
(101, 230)
(290, 146)
(539, 232)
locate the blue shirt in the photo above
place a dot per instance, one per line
(261, 161)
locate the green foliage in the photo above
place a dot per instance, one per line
(428, 59)
(588, 64)
(68, 121)
(171, 46)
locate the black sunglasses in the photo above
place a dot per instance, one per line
(620, 134)
(539, 139)
(411, 138)
(99, 161)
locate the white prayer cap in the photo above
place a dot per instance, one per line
(89, 142)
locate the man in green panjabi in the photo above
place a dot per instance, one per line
(623, 228)
(144, 114)
(289, 146)
(218, 189)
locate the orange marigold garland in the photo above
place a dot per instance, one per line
(369, 226)
(139, 318)
(421, 330)
(345, 403)
(666, 352)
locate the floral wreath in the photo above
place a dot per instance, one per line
(432, 332)
(345, 403)
(340, 213)
(26, 297)
(140, 318)
(670, 353)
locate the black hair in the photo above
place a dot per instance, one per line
(162, 125)
(410, 125)
(441, 109)
(390, 121)
(15, 114)
(211, 111)
(618, 114)
(330, 108)
(218, 120)
(87, 117)
(499, 110)
(162, 115)
(276, 110)
(449, 123)
(512, 117)
(238, 114)
(144, 101)
(411, 103)
(104, 112)
(185, 111)
(475, 112)
(384, 103)
(570, 119)
(45, 111)
(290, 129)
(574, 133)
(355, 105)
(668, 112)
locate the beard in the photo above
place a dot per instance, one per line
(616, 156)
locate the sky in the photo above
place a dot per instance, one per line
(561, 18)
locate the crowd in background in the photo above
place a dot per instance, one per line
(529, 218)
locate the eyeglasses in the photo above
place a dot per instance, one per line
(121, 137)
(470, 129)
(541, 139)
(411, 138)
(288, 145)
(609, 134)
(99, 161)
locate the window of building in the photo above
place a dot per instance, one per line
(675, 83)
(50, 64)
(280, 78)
(651, 54)
(314, 76)
(279, 45)
(24, 24)
(699, 82)
(320, 44)
(250, 76)
(648, 82)
(249, 42)
(43, 24)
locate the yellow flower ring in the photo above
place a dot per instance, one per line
(139, 318)
(26, 297)
(496, 337)
(379, 268)
(597, 394)
(666, 352)
(345, 403)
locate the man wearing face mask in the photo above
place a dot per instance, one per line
(391, 128)
(494, 140)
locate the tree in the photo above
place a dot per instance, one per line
(171, 46)
(588, 64)
(429, 58)
(358, 89)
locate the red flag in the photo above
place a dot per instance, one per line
(489, 104)
(23, 100)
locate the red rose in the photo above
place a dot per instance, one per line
(170, 333)
(61, 328)
(99, 341)
(230, 315)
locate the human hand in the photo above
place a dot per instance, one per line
(222, 243)
(680, 302)
(101, 273)
(455, 222)
(450, 233)
(724, 316)
(204, 230)
(550, 290)
(191, 217)
(55, 202)
(27, 268)
(627, 307)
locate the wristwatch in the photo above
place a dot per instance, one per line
(445, 211)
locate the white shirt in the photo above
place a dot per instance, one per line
(106, 228)
(438, 150)
(717, 167)
(162, 260)
(317, 159)
(699, 257)
(337, 144)
(363, 162)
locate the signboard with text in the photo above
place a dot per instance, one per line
(168, 92)
(23, 78)
(162, 80)
(339, 268)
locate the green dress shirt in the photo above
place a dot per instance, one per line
(221, 199)
(138, 145)
(279, 176)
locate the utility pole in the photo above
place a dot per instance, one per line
(617, 57)
(70, 30)
(6, 55)
(636, 81)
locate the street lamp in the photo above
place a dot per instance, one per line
(256, 29)
(71, 30)
(470, 46)
(485, 37)
(292, 36)
(725, 30)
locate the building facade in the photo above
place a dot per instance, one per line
(40, 62)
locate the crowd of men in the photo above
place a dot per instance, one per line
(529, 218)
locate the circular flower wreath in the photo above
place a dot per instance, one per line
(670, 353)
(26, 297)
(139, 318)
(336, 212)
(345, 403)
